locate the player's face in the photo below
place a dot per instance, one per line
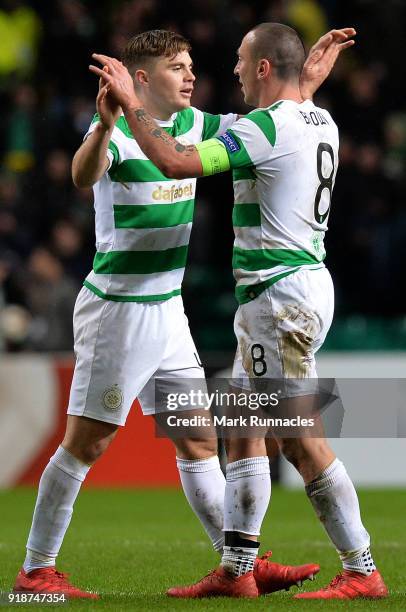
(246, 71)
(171, 83)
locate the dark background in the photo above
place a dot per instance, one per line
(47, 100)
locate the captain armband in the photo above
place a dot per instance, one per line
(213, 156)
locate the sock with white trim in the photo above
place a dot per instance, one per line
(248, 491)
(335, 501)
(58, 488)
(204, 484)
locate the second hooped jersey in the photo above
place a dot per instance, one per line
(284, 160)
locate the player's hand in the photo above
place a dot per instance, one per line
(322, 57)
(118, 80)
(107, 107)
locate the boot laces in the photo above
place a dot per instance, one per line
(335, 583)
(266, 556)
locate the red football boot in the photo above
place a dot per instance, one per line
(350, 585)
(271, 576)
(49, 580)
(218, 583)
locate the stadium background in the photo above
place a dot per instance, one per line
(47, 99)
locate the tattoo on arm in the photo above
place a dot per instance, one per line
(140, 113)
(166, 138)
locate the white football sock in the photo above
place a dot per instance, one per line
(204, 484)
(248, 491)
(58, 489)
(335, 501)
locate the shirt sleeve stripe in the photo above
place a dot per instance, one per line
(240, 158)
(265, 123)
(210, 126)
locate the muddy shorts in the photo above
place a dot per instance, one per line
(280, 331)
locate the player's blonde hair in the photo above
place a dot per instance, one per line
(154, 43)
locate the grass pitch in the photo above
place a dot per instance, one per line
(132, 545)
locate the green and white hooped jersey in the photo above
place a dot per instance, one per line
(144, 219)
(284, 160)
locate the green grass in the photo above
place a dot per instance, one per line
(132, 545)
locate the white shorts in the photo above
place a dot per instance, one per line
(120, 347)
(280, 331)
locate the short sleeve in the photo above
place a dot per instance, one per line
(250, 141)
(214, 125)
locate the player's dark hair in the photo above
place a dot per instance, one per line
(282, 46)
(154, 43)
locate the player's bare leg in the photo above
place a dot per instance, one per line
(84, 442)
(87, 439)
(335, 501)
(272, 447)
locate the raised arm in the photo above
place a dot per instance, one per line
(321, 59)
(90, 161)
(180, 161)
(171, 157)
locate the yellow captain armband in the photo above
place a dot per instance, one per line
(213, 156)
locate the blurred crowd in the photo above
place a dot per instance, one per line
(47, 100)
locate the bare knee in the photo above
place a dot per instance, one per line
(310, 456)
(195, 448)
(86, 450)
(272, 448)
(244, 448)
(87, 439)
(292, 451)
(89, 452)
